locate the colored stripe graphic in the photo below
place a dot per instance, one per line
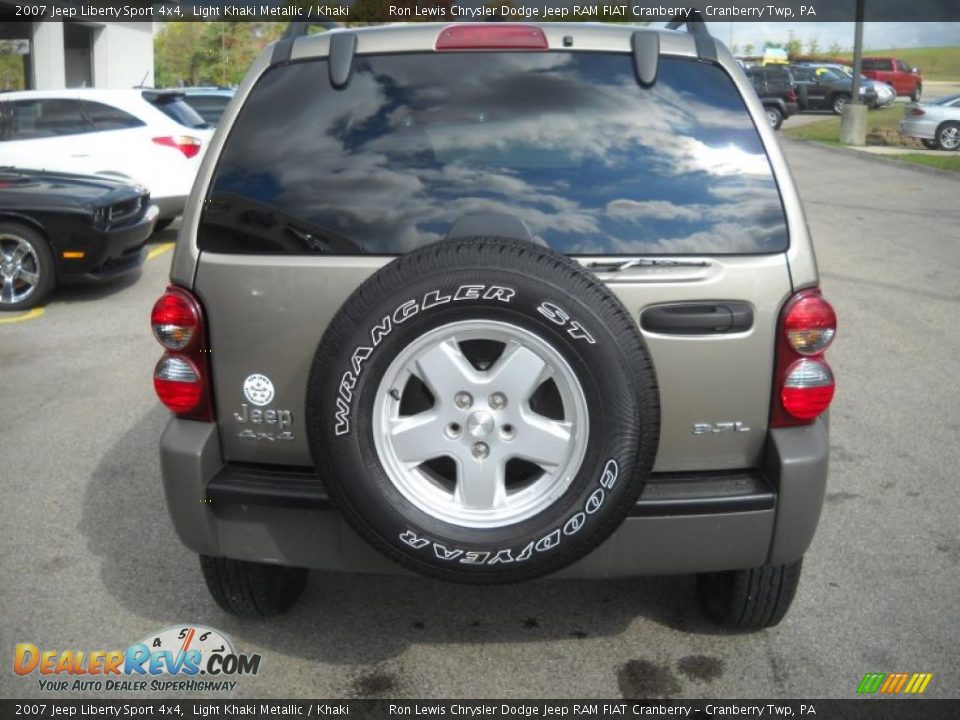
(894, 683)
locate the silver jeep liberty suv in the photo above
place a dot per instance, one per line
(494, 301)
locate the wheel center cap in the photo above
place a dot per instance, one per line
(480, 424)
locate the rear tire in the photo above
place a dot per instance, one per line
(839, 103)
(27, 274)
(749, 599)
(948, 136)
(774, 116)
(252, 589)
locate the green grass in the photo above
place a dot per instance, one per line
(936, 63)
(828, 130)
(942, 162)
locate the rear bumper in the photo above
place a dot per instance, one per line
(919, 128)
(682, 523)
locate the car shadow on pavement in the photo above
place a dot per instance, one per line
(345, 618)
(87, 293)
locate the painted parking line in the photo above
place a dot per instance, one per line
(160, 250)
(29, 315)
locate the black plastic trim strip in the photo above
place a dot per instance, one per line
(665, 494)
(282, 51)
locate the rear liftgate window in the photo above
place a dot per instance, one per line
(568, 142)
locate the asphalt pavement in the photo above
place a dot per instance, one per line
(90, 561)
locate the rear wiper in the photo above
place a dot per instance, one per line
(620, 265)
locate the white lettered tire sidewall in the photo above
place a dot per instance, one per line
(503, 281)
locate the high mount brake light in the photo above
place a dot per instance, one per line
(803, 381)
(495, 36)
(182, 377)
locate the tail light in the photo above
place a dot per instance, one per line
(494, 36)
(916, 111)
(186, 144)
(791, 95)
(803, 381)
(182, 377)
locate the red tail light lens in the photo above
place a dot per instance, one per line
(807, 389)
(189, 146)
(175, 319)
(791, 95)
(803, 381)
(495, 36)
(917, 111)
(810, 324)
(182, 377)
(178, 384)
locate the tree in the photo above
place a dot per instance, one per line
(835, 49)
(209, 53)
(794, 46)
(748, 49)
(813, 47)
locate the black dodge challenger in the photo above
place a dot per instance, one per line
(61, 228)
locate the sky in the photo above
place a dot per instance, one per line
(876, 35)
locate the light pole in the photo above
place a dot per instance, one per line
(853, 126)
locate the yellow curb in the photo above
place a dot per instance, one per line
(29, 315)
(160, 250)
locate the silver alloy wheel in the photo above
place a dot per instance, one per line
(950, 138)
(19, 269)
(482, 420)
(773, 117)
(839, 104)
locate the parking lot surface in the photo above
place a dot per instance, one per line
(91, 562)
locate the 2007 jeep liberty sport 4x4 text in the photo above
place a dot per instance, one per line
(488, 302)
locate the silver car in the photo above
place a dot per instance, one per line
(489, 302)
(935, 122)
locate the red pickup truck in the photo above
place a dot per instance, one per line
(904, 79)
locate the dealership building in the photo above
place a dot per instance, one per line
(53, 55)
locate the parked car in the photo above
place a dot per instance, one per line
(824, 88)
(904, 79)
(936, 122)
(209, 102)
(58, 228)
(776, 90)
(439, 286)
(149, 137)
(885, 93)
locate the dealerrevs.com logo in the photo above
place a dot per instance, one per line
(187, 658)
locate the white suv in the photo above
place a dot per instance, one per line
(149, 136)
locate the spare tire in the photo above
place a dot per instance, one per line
(483, 410)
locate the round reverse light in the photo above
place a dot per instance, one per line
(807, 389)
(177, 383)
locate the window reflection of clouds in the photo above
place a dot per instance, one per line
(568, 142)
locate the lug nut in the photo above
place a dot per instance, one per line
(480, 450)
(463, 400)
(498, 401)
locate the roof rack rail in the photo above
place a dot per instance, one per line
(284, 46)
(299, 29)
(693, 20)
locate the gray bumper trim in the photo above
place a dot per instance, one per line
(732, 520)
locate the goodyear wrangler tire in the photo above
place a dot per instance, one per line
(483, 411)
